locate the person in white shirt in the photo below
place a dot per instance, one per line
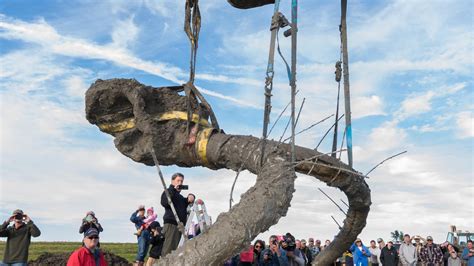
(375, 254)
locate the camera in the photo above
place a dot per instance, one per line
(290, 242)
(89, 218)
(183, 187)
(19, 216)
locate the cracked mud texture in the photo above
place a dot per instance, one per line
(115, 100)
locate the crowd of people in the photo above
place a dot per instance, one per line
(155, 241)
(413, 251)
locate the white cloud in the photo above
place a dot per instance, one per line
(387, 137)
(165, 8)
(366, 106)
(465, 123)
(76, 86)
(125, 33)
(418, 104)
(43, 34)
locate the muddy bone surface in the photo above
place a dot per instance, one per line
(142, 118)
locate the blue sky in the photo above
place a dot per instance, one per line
(411, 68)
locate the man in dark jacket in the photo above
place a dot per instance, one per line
(170, 227)
(389, 255)
(18, 238)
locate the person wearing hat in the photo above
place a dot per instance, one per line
(389, 255)
(419, 242)
(18, 238)
(431, 254)
(407, 252)
(89, 254)
(90, 221)
(360, 253)
(143, 240)
(156, 241)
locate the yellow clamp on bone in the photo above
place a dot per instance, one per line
(201, 143)
(118, 126)
(130, 122)
(182, 116)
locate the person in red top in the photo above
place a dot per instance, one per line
(89, 254)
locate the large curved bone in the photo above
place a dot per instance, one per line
(141, 117)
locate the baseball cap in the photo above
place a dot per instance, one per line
(91, 232)
(429, 238)
(379, 240)
(303, 241)
(311, 239)
(358, 240)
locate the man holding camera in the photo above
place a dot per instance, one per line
(18, 238)
(180, 203)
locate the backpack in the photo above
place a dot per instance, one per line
(247, 255)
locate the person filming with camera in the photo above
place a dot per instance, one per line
(180, 203)
(18, 238)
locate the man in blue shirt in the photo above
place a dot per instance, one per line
(143, 239)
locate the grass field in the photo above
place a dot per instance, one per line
(125, 250)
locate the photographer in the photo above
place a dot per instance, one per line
(274, 255)
(90, 221)
(292, 253)
(170, 228)
(18, 238)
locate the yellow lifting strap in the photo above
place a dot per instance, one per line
(201, 143)
(129, 123)
(117, 126)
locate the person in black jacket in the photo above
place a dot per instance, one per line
(170, 228)
(156, 240)
(389, 255)
(90, 221)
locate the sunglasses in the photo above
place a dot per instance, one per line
(93, 237)
(258, 246)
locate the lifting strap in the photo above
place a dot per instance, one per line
(294, 31)
(192, 27)
(345, 67)
(277, 22)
